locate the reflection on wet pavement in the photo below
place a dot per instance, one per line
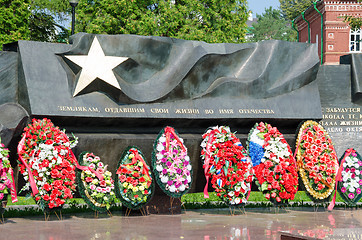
(192, 224)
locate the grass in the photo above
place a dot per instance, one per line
(190, 201)
(254, 197)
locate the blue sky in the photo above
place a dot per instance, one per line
(258, 6)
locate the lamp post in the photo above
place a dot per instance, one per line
(73, 3)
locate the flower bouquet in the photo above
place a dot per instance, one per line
(273, 163)
(134, 185)
(171, 164)
(225, 161)
(7, 184)
(317, 161)
(95, 183)
(349, 177)
(47, 164)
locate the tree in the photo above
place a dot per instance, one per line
(33, 20)
(206, 20)
(14, 20)
(353, 21)
(272, 25)
(46, 18)
(293, 8)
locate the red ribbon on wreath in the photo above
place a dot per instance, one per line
(14, 196)
(33, 186)
(168, 131)
(207, 162)
(339, 177)
(85, 168)
(30, 174)
(137, 156)
(82, 168)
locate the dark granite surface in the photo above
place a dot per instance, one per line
(342, 118)
(168, 78)
(13, 119)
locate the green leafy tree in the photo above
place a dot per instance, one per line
(354, 22)
(272, 25)
(36, 20)
(293, 8)
(206, 20)
(14, 20)
(58, 8)
(49, 20)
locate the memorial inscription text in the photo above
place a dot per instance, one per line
(119, 111)
(342, 119)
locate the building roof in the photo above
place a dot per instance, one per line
(250, 22)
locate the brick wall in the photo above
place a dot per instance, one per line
(335, 31)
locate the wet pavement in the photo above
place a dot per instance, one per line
(192, 224)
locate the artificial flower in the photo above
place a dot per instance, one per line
(6, 175)
(225, 161)
(45, 159)
(273, 163)
(134, 186)
(317, 160)
(171, 163)
(97, 193)
(350, 175)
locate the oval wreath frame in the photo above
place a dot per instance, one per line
(91, 202)
(117, 183)
(156, 174)
(245, 153)
(340, 185)
(284, 201)
(314, 195)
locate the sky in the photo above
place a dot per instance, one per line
(258, 6)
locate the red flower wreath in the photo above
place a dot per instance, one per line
(226, 163)
(276, 175)
(47, 163)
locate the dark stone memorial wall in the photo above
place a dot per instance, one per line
(340, 92)
(116, 91)
(164, 78)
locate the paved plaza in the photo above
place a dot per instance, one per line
(192, 224)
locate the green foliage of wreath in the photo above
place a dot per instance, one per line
(119, 188)
(228, 193)
(91, 202)
(308, 185)
(157, 175)
(344, 194)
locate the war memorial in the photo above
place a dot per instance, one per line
(117, 91)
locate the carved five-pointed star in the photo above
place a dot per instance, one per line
(95, 65)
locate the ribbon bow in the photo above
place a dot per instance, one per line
(168, 132)
(136, 157)
(339, 177)
(82, 168)
(85, 168)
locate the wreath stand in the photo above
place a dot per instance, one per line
(96, 213)
(143, 211)
(47, 215)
